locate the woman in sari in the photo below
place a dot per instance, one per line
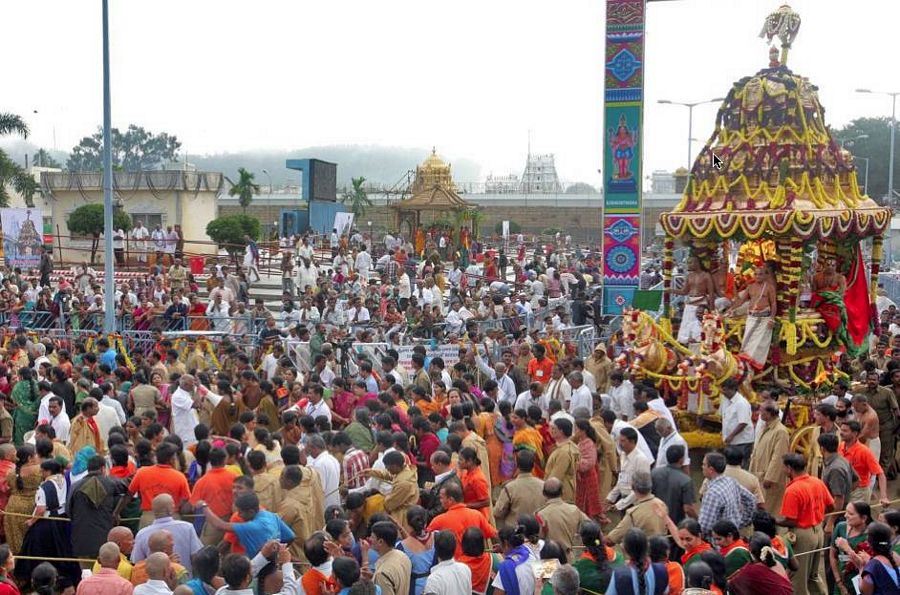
(26, 397)
(587, 497)
(503, 432)
(527, 438)
(732, 547)
(848, 540)
(486, 426)
(764, 574)
(516, 574)
(49, 538)
(23, 482)
(595, 565)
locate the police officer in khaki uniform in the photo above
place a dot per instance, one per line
(522, 495)
(559, 520)
(643, 513)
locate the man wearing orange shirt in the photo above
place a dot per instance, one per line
(214, 488)
(158, 479)
(458, 517)
(863, 462)
(540, 366)
(806, 500)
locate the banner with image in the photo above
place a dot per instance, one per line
(448, 352)
(22, 236)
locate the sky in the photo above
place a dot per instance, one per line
(470, 77)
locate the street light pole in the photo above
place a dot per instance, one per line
(109, 318)
(690, 106)
(265, 171)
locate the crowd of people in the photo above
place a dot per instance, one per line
(519, 467)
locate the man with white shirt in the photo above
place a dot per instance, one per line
(110, 401)
(56, 418)
(423, 293)
(621, 395)
(317, 405)
(615, 425)
(455, 275)
(358, 314)
(581, 394)
(558, 389)
(185, 402)
(589, 381)
(506, 388)
(631, 460)
(139, 235)
(405, 289)
(533, 396)
(656, 403)
(447, 577)
(327, 466)
(669, 436)
(737, 422)
(454, 319)
(363, 264)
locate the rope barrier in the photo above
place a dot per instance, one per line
(37, 518)
(51, 559)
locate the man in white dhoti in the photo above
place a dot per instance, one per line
(699, 290)
(139, 236)
(760, 295)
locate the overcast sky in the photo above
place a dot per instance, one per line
(470, 77)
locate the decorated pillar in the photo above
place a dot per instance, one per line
(622, 152)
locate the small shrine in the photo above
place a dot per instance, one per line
(434, 202)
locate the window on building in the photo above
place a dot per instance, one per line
(150, 220)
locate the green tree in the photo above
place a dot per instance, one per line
(870, 138)
(10, 172)
(43, 158)
(88, 220)
(244, 189)
(134, 150)
(357, 198)
(229, 231)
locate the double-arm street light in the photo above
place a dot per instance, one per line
(690, 106)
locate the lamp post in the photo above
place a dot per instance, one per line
(265, 171)
(890, 192)
(109, 317)
(690, 106)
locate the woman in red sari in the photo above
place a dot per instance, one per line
(587, 496)
(764, 574)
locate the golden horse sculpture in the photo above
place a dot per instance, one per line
(716, 362)
(645, 348)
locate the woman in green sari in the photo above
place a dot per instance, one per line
(848, 540)
(25, 396)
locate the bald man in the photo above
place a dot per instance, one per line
(160, 542)
(185, 537)
(106, 580)
(122, 537)
(161, 577)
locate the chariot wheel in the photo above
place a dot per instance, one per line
(802, 441)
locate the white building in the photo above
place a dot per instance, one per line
(540, 175)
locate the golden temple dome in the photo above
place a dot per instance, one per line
(434, 172)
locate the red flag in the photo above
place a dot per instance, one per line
(856, 299)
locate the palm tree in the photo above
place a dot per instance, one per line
(10, 172)
(12, 124)
(358, 198)
(244, 189)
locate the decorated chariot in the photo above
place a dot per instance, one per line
(784, 248)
